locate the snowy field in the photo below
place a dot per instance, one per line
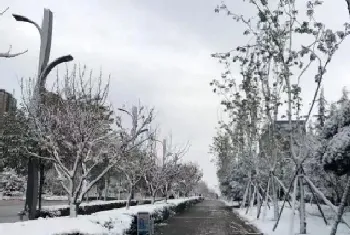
(315, 223)
(113, 222)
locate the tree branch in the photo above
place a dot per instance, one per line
(9, 55)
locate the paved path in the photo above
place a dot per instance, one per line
(206, 218)
(10, 208)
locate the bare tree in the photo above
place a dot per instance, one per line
(135, 161)
(162, 170)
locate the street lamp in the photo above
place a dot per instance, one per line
(45, 32)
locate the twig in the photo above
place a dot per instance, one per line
(9, 55)
(1, 13)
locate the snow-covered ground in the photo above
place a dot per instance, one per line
(55, 198)
(113, 222)
(231, 203)
(315, 223)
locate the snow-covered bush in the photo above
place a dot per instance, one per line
(335, 139)
(11, 183)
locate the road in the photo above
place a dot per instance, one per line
(10, 208)
(206, 218)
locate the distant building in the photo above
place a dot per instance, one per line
(7, 104)
(281, 132)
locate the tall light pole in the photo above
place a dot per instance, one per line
(45, 32)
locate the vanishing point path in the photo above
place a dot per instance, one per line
(209, 217)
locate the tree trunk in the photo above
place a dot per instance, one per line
(252, 200)
(341, 207)
(106, 187)
(266, 200)
(153, 198)
(73, 209)
(130, 197)
(291, 222)
(275, 199)
(302, 206)
(258, 197)
(166, 193)
(244, 201)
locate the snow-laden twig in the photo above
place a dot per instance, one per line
(328, 203)
(8, 54)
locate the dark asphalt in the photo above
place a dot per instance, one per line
(206, 218)
(10, 208)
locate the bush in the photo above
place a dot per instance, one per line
(162, 215)
(88, 209)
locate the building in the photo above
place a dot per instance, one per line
(281, 133)
(7, 104)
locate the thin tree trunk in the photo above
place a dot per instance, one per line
(341, 207)
(245, 195)
(166, 193)
(275, 199)
(266, 200)
(73, 209)
(302, 206)
(130, 197)
(153, 198)
(106, 189)
(292, 214)
(253, 199)
(259, 199)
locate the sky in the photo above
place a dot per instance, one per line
(156, 51)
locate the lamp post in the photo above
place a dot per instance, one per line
(44, 68)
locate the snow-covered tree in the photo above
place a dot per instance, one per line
(188, 177)
(136, 161)
(73, 128)
(271, 65)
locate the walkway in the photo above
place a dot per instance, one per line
(206, 218)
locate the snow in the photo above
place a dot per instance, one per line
(53, 226)
(314, 222)
(55, 198)
(113, 222)
(337, 145)
(231, 203)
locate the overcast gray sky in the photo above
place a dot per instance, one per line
(157, 51)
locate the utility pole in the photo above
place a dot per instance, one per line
(45, 32)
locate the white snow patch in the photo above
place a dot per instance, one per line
(55, 198)
(314, 222)
(230, 203)
(113, 222)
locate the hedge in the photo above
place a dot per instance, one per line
(166, 213)
(87, 209)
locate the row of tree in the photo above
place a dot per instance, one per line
(78, 134)
(261, 157)
(74, 130)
